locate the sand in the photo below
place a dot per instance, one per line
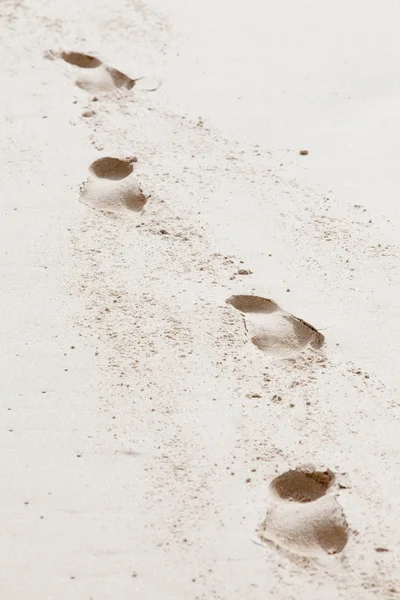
(200, 333)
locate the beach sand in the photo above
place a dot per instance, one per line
(200, 274)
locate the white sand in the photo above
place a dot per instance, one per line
(142, 428)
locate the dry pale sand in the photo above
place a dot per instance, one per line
(200, 325)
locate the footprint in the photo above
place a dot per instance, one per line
(94, 76)
(111, 188)
(303, 516)
(273, 330)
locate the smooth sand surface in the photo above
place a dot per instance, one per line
(200, 326)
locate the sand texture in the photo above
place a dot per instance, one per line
(200, 268)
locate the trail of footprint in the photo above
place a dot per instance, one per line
(303, 516)
(273, 330)
(110, 187)
(94, 76)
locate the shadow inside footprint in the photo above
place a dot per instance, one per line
(302, 486)
(306, 333)
(111, 168)
(273, 330)
(120, 80)
(253, 304)
(84, 61)
(332, 538)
